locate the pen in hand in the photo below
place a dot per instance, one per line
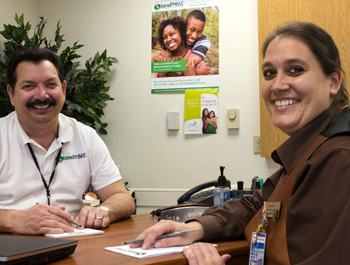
(181, 233)
(72, 222)
(75, 223)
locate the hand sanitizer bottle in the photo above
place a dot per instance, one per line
(222, 193)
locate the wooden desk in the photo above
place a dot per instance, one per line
(90, 249)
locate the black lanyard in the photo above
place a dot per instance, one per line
(52, 174)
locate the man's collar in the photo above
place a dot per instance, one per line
(65, 131)
(22, 134)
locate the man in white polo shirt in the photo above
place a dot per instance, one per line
(47, 160)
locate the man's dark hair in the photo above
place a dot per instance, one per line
(197, 14)
(177, 23)
(34, 55)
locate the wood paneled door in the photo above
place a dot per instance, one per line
(331, 15)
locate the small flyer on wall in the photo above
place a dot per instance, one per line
(185, 45)
(201, 111)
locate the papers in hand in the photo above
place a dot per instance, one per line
(77, 232)
(148, 253)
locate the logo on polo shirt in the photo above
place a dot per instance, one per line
(72, 157)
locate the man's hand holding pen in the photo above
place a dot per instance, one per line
(39, 219)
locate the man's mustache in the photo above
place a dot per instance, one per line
(47, 101)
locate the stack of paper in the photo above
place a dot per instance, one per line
(77, 232)
(148, 253)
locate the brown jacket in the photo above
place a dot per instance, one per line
(319, 210)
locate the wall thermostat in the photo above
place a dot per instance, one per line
(173, 120)
(232, 118)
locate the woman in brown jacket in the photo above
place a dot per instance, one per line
(304, 92)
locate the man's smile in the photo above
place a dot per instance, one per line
(38, 104)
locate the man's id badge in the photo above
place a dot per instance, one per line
(257, 249)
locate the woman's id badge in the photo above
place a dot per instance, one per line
(257, 249)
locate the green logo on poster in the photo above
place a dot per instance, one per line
(171, 4)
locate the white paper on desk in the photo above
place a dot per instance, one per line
(77, 232)
(148, 253)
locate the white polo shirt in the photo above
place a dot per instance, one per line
(84, 158)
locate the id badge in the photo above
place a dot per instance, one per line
(257, 249)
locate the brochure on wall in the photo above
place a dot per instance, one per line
(201, 111)
(185, 45)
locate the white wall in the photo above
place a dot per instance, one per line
(150, 156)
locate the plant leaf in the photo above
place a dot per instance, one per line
(86, 93)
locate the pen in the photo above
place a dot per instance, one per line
(181, 233)
(74, 223)
(67, 220)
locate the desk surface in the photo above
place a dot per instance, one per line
(90, 249)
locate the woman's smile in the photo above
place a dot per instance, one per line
(285, 102)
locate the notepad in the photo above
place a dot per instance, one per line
(148, 253)
(77, 232)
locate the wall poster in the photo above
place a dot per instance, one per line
(185, 45)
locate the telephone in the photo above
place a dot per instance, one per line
(205, 197)
(179, 213)
(192, 203)
(189, 207)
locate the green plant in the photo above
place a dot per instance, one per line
(86, 93)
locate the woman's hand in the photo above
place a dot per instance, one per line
(163, 59)
(211, 122)
(204, 253)
(165, 227)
